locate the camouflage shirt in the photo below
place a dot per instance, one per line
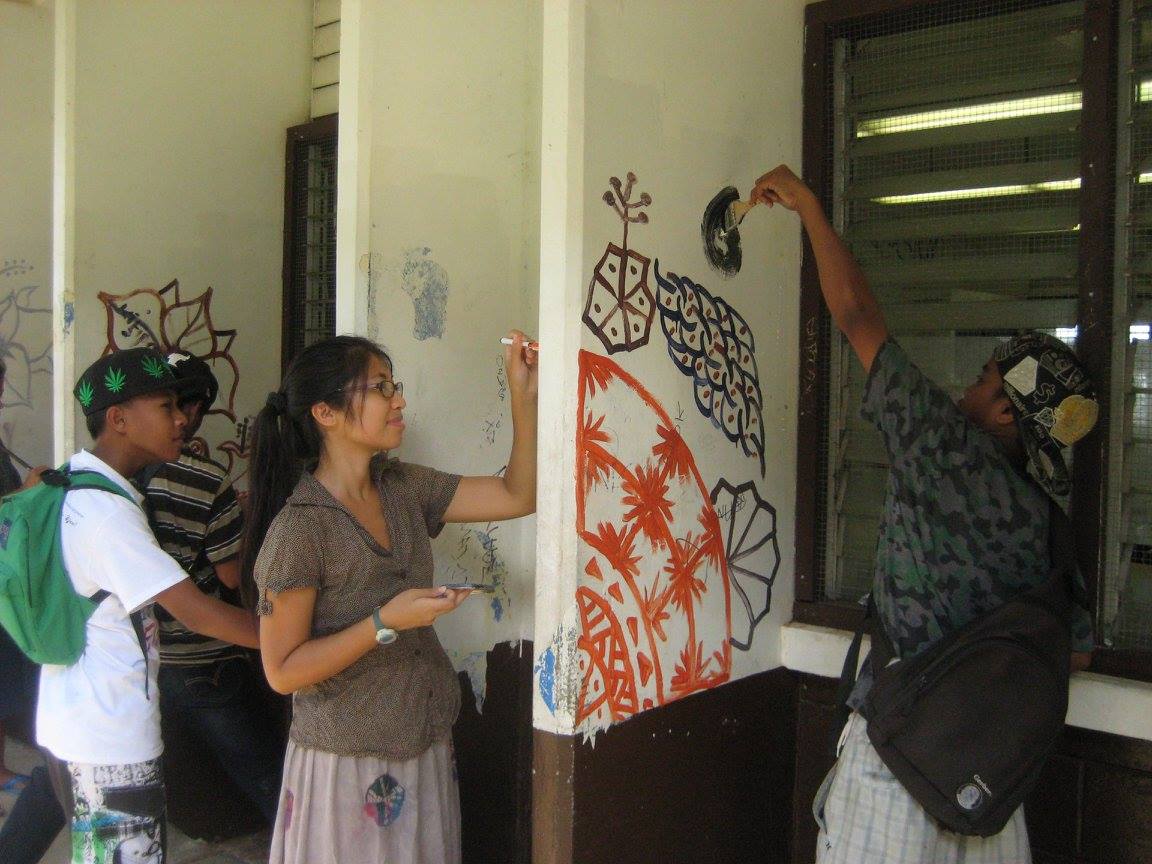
(963, 529)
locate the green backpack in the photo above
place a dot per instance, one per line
(39, 607)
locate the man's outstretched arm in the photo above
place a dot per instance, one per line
(853, 308)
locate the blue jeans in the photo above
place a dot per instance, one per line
(222, 706)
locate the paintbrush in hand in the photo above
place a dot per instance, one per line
(734, 215)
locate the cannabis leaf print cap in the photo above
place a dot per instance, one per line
(124, 375)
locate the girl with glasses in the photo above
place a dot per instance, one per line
(337, 551)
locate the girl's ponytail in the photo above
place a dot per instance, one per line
(274, 468)
(286, 439)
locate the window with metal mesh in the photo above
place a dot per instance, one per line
(1125, 618)
(311, 297)
(956, 161)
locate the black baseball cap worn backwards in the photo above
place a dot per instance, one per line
(1054, 402)
(124, 375)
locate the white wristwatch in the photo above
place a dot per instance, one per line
(384, 635)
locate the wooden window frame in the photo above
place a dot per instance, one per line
(1095, 271)
(297, 138)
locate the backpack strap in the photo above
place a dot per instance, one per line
(880, 653)
(848, 681)
(88, 479)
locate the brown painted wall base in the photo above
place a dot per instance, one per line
(705, 779)
(723, 776)
(494, 760)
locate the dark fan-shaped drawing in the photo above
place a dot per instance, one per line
(752, 549)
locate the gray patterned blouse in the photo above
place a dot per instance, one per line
(397, 699)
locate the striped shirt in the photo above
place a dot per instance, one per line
(196, 518)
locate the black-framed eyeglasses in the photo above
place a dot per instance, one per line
(387, 389)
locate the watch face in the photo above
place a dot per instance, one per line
(385, 635)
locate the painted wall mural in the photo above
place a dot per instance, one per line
(752, 550)
(672, 578)
(26, 354)
(166, 320)
(710, 342)
(620, 306)
(720, 237)
(25, 338)
(655, 617)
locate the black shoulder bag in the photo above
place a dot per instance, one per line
(967, 725)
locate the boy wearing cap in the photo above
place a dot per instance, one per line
(101, 715)
(965, 528)
(208, 687)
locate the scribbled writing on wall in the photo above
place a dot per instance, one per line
(620, 306)
(25, 340)
(811, 354)
(426, 282)
(477, 558)
(752, 550)
(163, 318)
(711, 342)
(653, 596)
(491, 424)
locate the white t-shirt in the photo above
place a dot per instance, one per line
(96, 710)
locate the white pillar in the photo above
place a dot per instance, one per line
(561, 302)
(63, 231)
(353, 173)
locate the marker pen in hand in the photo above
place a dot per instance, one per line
(507, 340)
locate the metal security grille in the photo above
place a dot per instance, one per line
(956, 166)
(1125, 619)
(310, 280)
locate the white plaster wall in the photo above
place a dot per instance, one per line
(452, 91)
(26, 228)
(181, 110)
(693, 97)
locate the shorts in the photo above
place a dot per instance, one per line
(118, 813)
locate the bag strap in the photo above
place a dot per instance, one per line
(85, 478)
(871, 624)
(68, 479)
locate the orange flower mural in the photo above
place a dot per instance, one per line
(654, 596)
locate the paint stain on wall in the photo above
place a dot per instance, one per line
(475, 666)
(653, 595)
(620, 306)
(370, 264)
(710, 342)
(752, 550)
(426, 282)
(546, 678)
